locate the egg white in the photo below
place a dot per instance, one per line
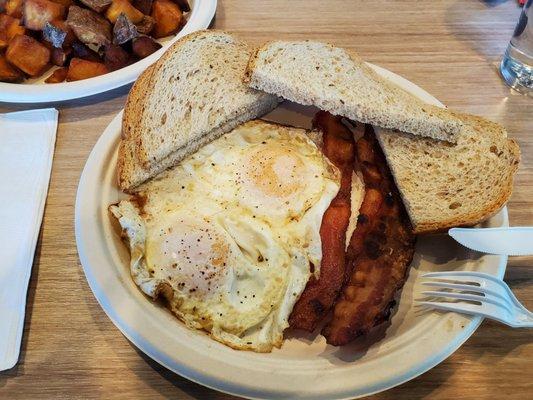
(228, 235)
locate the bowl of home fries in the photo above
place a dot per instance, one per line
(53, 50)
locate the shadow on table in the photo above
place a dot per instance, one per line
(102, 100)
(192, 389)
(18, 369)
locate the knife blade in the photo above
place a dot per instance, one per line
(516, 241)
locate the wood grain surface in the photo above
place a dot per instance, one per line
(451, 48)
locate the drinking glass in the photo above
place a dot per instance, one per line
(517, 63)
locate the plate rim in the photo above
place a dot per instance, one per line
(233, 388)
(201, 15)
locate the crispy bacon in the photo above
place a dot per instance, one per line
(379, 254)
(319, 295)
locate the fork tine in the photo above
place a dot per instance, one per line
(456, 286)
(470, 288)
(465, 308)
(455, 276)
(460, 308)
(462, 275)
(468, 297)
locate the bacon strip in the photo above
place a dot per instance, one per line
(379, 254)
(318, 297)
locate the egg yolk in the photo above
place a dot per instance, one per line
(276, 171)
(191, 255)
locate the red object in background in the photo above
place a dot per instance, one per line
(522, 2)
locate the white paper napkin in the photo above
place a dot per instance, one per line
(27, 142)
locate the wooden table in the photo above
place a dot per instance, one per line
(71, 350)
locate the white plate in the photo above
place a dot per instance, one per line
(36, 91)
(305, 367)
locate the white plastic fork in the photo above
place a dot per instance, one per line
(481, 294)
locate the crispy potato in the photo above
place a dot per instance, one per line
(59, 56)
(144, 46)
(118, 7)
(82, 69)
(38, 12)
(97, 5)
(58, 33)
(28, 54)
(57, 76)
(183, 5)
(124, 30)
(8, 73)
(146, 25)
(79, 50)
(9, 27)
(168, 18)
(14, 8)
(115, 57)
(144, 6)
(88, 26)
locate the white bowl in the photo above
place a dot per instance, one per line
(36, 91)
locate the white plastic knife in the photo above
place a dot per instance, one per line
(517, 241)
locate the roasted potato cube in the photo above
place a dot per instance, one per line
(123, 6)
(28, 54)
(124, 30)
(38, 12)
(97, 5)
(115, 57)
(144, 46)
(79, 50)
(9, 73)
(144, 6)
(9, 27)
(58, 33)
(88, 26)
(82, 69)
(183, 5)
(146, 25)
(57, 76)
(59, 56)
(168, 18)
(14, 8)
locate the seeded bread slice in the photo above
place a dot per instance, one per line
(195, 87)
(332, 79)
(191, 96)
(445, 185)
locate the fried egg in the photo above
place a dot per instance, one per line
(229, 235)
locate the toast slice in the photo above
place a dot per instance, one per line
(192, 95)
(334, 80)
(445, 185)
